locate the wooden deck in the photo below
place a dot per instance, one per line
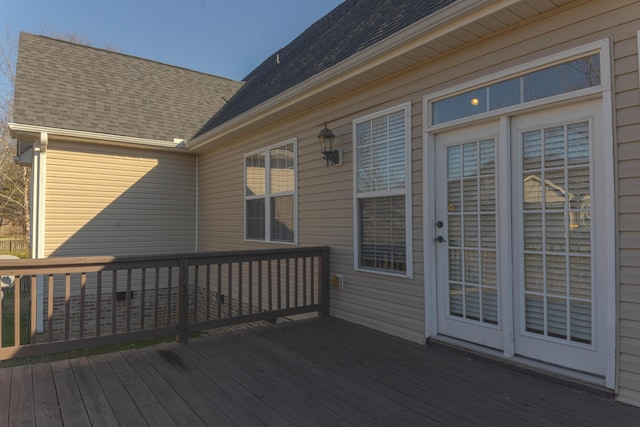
(310, 373)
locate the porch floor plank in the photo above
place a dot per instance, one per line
(151, 409)
(173, 403)
(22, 413)
(47, 411)
(316, 372)
(95, 402)
(118, 394)
(238, 390)
(199, 402)
(68, 395)
(5, 396)
(326, 400)
(392, 361)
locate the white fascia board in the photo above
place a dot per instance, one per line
(448, 19)
(96, 138)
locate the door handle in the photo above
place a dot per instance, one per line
(440, 239)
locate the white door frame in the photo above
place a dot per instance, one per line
(608, 265)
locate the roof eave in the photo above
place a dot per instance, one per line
(430, 28)
(26, 132)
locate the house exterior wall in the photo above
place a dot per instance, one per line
(105, 200)
(397, 305)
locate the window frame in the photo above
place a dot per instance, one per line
(406, 192)
(268, 196)
(599, 47)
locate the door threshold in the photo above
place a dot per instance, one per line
(591, 382)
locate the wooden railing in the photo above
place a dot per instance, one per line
(76, 303)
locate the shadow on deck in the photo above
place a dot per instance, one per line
(307, 373)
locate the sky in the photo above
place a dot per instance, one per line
(227, 38)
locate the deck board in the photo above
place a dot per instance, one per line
(5, 396)
(22, 413)
(150, 408)
(239, 391)
(46, 410)
(68, 395)
(98, 409)
(173, 403)
(174, 376)
(115, 391)
(312, 373)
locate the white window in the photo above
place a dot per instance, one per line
(271, 194)
(565, 77)
(382, 191)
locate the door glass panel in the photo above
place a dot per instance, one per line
(533, 231)
(471, 207)
(556, 216)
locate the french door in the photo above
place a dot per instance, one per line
(518, 226)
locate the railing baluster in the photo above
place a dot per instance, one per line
(240, 288)
(127, 298)
(16, 315)
(296, 283)
(250, 287)
(143, 285)
(287, 278)
(98, 302)
(304, 280)
(33, 309)
(260, 286)
(313, 276)
(195, 294)
(229, 289)
(269, 283)
(219, 296)
(208, 291)
(67, 304)
(83, 284)
(50, 307)
(169, 290)
(279, 282)
(114, 288)
(156, 289)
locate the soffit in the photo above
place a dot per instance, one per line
(426, 41)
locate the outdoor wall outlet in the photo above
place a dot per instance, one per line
(337, 281)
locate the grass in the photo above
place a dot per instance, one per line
(8, 338)
(8, 319)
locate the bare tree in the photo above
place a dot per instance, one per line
(14, 179)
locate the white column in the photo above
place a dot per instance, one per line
(38, 186)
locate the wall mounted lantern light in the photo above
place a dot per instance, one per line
(325, 138)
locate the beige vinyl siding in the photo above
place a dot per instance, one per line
(104, 200)
(396, 305)
(627, 109)
(325, 218)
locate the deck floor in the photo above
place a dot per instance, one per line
(319, 372)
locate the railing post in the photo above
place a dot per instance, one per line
(324, 282)
(183, 301)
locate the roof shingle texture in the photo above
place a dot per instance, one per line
(70, 86)
(350, 28)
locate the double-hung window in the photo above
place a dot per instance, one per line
(382, 191)
(270, 194)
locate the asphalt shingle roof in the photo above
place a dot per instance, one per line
(351, 27)
(70, 86)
